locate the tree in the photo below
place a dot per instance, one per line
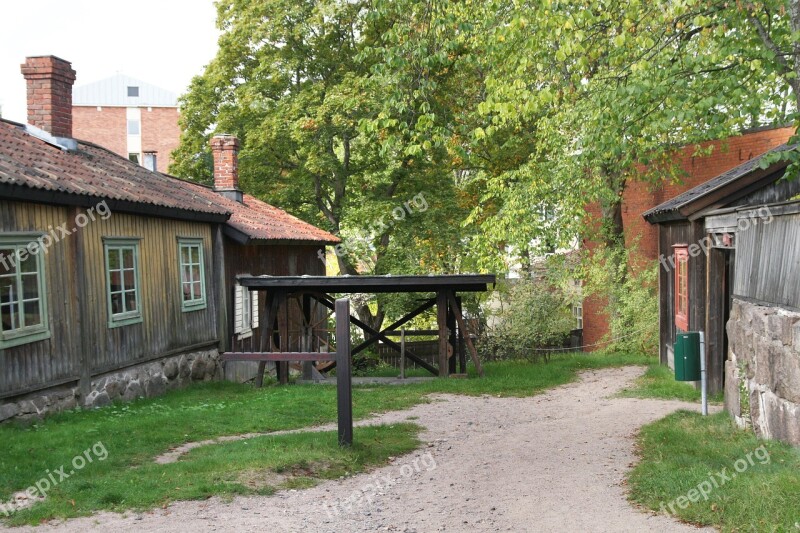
(343, 110)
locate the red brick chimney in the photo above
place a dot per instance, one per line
(50, 82)
(226, 166)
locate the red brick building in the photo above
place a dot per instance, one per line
(132, 118)
(639, 197)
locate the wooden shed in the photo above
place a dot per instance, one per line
(697, 241)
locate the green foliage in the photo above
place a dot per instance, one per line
(631, 293)
(685, 449)
(532, 315)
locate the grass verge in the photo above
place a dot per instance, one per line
(706, 471)
(133, 434)
(659, 382)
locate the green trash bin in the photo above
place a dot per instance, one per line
(687, 356)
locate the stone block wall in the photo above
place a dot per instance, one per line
(142, 381)
(762, 373)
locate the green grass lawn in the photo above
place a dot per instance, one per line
(659, 382)
(133, 434)
(686, 459)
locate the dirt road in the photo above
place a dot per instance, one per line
(552, 462)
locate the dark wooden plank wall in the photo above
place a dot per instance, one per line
(273, 260)
(671, 234)
(768, 261)
(165, 327)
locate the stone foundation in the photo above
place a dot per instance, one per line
(142, 381)
(762, 374)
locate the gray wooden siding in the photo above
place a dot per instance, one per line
(768, 261)
(82, 344)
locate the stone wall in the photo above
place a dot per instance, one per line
(762, 373)
(142, 381)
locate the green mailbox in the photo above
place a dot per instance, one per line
(687, 356)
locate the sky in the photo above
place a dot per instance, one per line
(162, 42)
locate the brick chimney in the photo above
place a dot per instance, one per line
(50, 82)
(226, 166)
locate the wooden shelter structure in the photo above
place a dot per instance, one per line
(313, 292)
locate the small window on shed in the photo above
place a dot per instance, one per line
(133, 91)
(682, 288)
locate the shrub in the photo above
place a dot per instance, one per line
(532, 314)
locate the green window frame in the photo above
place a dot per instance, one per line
(123, 282)
(191, 264)
(23, 295)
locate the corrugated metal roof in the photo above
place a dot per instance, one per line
(113, 92)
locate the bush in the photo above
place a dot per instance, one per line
(533, 314)
(631, 291)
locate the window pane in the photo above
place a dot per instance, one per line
(30, 264)
(185, 255)
(196, 273)
(130, 301)
(127, 257)
(8, 266)
(32, 314)
(113, 259)
(8, 316)
(197, 291)
(30, 286)
(195, 254)
(130, 277)
(116, 303)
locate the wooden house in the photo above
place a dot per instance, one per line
(116, 281)
(700, 233)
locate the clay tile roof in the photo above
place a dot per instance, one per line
(260, 221)
(30, 162)
(91, 171)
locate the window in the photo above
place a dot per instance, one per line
(245, 311)
(133, 91)
(134, 127)
(193, 282)
(122, 277)
(577, 312)
(23, 309)
(682, 288)
(134, 158)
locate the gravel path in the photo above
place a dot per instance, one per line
(552, 462)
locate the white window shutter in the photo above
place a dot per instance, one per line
(237, 308)
(254, 314)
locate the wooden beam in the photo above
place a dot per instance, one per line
(267, 327)
(409, 354)
(344, 385)
(278, 356)
(418, 311)
(460, 319)
(441, 322)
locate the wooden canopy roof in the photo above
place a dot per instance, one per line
(371, 284)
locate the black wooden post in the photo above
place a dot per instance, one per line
(452, 341)
(462, 353)
(344, 390)
(306, 336)
(441, 320)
